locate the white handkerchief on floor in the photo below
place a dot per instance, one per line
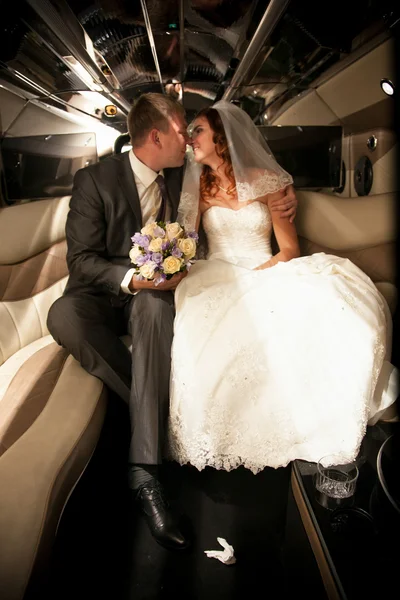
(226, 556)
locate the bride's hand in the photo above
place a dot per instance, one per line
(172, 284)
(167, 286)
(266, 265)
(287, 204)
(282, 256)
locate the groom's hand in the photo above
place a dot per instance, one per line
(287, 204)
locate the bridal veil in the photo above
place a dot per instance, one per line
(256, 171)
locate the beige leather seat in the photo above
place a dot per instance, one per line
(51, 410)
(362, 229)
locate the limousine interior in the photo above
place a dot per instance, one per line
(319, 79)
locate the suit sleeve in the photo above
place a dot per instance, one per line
(86, 229)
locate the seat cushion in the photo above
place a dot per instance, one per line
(10, 367)
(51, 417)
(28, 392)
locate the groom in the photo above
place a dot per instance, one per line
(112, 200)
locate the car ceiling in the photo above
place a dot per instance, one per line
(111, 51)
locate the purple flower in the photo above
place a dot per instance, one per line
(159, 278)
(141, 260)
(193, 235)
(141, 240)
(159, 232)
(176, 252)
(157, 257)
(165, 246)
(135, 238)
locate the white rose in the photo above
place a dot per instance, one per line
(156, 245)
(134, 253)
(172, 265)
(173, 230)
(149, 229)
(188, 247)
(147, 270)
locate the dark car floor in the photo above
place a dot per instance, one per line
(104, 549)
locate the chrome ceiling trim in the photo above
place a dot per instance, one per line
(49, 15)
(43, 94)
(113, 97)
(152, 43)
(270, 19)
(298, 81)
(27, 80)
(31, 98)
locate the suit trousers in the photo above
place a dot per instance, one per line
(89, 327)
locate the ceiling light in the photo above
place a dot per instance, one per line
(387, 86)
(110, 110)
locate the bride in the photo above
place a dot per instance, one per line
(274, 358)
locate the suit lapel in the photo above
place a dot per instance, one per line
(127, 183)
(173, 180)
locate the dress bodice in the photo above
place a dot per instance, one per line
(242, 237)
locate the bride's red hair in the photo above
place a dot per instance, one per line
(208, 179)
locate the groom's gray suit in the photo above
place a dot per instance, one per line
(88, 319)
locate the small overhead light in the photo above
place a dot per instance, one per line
(110, 110)
(387, 86)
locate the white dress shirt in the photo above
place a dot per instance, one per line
(150, 201)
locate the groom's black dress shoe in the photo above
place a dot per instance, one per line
(163, 525)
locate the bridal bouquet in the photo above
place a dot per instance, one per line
(161, 250)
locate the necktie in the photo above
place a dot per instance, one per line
(164, 198)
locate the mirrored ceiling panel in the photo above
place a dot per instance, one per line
(31, 55)
(141, 41)
(90, 54)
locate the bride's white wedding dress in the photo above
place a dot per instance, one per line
(274, 365)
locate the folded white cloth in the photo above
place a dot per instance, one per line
(226, 556)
